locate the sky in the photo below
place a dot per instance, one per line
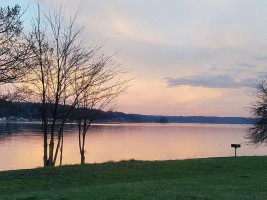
(187, 57)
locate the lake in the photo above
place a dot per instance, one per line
(21, 144)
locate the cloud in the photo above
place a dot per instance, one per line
(247, 65)
(262, 75)
(261, 58)
(211, 81)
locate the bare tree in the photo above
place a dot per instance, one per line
(257, 132)
(104, 87)
(61, 60)
(13, 51)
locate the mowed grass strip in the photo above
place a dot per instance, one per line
(211, 178)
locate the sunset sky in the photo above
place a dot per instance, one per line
(198, 57)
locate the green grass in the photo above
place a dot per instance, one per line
(212, 178)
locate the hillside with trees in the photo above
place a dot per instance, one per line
(30, 112)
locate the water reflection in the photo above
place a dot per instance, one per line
(21, 145)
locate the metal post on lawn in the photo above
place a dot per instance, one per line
(235, 146)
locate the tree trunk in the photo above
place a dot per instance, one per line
(83, 142)
(61, 150)
(51, 152)
(44, 127)
(45, 150)
(82, 157)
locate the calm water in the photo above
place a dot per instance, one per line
(21, 145)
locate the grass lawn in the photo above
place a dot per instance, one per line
(212, 178)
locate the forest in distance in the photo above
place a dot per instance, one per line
(21, 111)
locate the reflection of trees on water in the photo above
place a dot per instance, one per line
(8, 130)
(12, 129)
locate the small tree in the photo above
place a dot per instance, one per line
(13, 52)
(257, 132)
(62, 68)
(104, 87)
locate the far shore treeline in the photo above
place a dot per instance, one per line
(19, 111)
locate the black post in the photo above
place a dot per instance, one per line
(235, 146)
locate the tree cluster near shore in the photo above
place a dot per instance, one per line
(257, 132)
(52, 66)
(13, 50)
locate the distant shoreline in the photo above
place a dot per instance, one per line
(114, 123)
(29, 112)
